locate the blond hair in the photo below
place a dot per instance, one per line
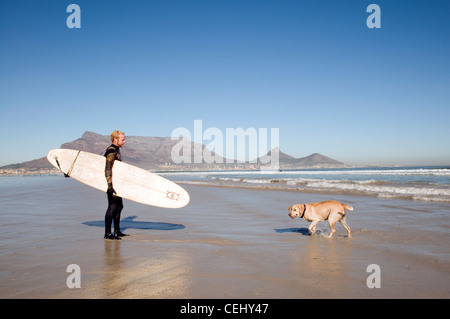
(115, 135)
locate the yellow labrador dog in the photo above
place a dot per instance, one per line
(330, 210)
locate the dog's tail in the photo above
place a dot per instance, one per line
(348, 207)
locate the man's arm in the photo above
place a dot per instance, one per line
(110, 158)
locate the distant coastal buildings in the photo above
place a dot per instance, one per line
(22, 171)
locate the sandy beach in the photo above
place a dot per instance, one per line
(227, 243)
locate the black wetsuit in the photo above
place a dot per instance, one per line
(115, 203)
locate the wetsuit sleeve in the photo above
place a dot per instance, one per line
(108, 167)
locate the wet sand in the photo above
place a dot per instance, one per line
(227, 243)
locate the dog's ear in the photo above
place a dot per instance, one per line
(290, 208)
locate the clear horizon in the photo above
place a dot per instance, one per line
(313, 70)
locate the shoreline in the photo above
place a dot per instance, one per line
(324, 191)
(53, 171)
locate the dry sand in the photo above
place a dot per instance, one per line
(227, 243)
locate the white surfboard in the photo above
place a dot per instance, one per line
(129, 181)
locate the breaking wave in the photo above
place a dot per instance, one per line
(425, 184)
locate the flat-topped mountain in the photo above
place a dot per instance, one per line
(155, 153)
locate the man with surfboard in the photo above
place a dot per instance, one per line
(115, 203)
(108, 172)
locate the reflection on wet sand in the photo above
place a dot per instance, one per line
(112, 271)
(327, 263)
(143, 277)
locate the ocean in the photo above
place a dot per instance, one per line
(413, 183)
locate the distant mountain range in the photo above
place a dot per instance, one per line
(154, 153)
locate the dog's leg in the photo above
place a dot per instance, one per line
(312, 227)
(331, 222)
(344, 223)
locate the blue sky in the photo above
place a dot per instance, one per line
(313, 69)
